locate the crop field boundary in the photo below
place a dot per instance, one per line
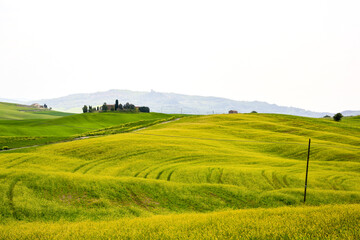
(246, 141)
(99, 134)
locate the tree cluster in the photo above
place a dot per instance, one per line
(89, 109)
(46, 106)
(144, 109)
(127, 107)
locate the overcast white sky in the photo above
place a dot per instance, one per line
(294, 53)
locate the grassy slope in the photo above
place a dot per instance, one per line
(196, 164)
(52, 128)
(14, 117)
(72, 125)
(11, 111)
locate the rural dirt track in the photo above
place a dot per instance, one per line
(136, 130)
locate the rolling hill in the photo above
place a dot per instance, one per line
(186, 175)
(12, 111)
(173, 103)
(22, 125)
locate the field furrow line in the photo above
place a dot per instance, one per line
(267, 179)
(221, 171)
(170, 174)
(285, 180)
(159, 174)
(105, 160)
(162, 164)
(276, 181)
(10, 196)
(16, 164)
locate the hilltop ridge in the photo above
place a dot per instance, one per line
(175, 103)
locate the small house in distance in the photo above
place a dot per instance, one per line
(36, 105)
(110, 107)
(233, 111)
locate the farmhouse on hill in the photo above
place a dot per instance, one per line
(233, 111)
(109, 107)
(127, 107)
(36, 105)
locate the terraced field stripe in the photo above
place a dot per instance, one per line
(246, 141)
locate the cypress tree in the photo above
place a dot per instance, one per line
(116, 105)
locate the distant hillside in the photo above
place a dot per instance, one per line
(20, 128)
(350, 113)
(175, 103)
(12, 111)
(172, 103)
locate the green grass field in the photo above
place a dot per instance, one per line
(187, 179)
(11, 111)
(38, 127)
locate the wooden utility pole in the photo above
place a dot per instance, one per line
(307, 170)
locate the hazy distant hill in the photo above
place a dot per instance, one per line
(171, 103)
(11, 100)
(350, 113)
